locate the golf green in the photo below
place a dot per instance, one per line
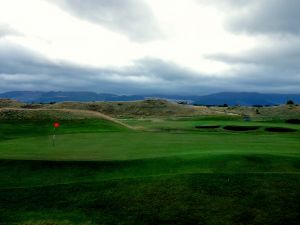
(167, 172)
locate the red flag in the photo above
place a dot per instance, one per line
(56, 124)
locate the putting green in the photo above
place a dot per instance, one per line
(166, 172)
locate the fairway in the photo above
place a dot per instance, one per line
(154, 171)
(149, 112)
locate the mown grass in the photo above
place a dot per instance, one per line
(102, 173)
(137, 145)
(178, 199)
(191, 124)
(29, 128)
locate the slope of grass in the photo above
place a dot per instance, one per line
(190, 123)
(281, 112)
(180, 199)
(136, 145)
(10, 129)
(138, 109)
(10, 103)
(100, 172)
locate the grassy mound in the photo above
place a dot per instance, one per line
(15, 123)
(9, 114)
(4, 102)
(146, 108)
(241, 128)
(280, 129)
(25, 128)
(281, 112)
(46, 114)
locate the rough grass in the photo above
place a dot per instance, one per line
(137, 109)
(281, 112)
(10, 103)
(163, 108)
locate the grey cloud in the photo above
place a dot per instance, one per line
(275, 63)
(275, 67)
(226, 3)
(270, 80)
(268, 17)
(163, 69)
(6, 30)
(130, 17)
(278, 55)
(255, 17)
(22, 69)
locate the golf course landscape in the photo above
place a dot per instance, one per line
(149, 162)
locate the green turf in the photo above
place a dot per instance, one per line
(25, 128)
(168, 172)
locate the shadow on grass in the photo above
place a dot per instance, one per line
(207, 126)
(182, 199)
(280, 129)
(241, 128)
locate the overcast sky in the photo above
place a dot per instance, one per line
(150, 46)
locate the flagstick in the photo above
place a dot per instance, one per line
(53, 138)
(55, 125)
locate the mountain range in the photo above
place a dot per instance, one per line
(229, 98)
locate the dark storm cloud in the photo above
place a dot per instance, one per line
(22, 69)
(270, 80)
(260, 16)
(275, 66)
(162, 69)
(16, 59)
(130, 17)
(278, 55)
(268, 17)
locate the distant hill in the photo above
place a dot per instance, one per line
(229, 98)
(62, 96)
(246, 99)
